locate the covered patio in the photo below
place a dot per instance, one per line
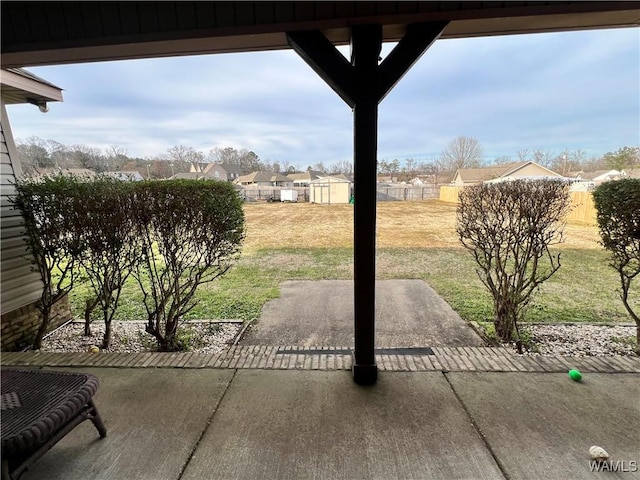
(43, 33)
(266, 412)
(302, 423)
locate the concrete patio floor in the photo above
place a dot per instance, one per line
(182, 423)
(281, 406)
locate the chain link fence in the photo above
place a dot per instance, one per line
(408, 193)
(384, 194)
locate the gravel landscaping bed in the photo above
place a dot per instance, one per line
(130, 337)
(582, 340)
(213, 337)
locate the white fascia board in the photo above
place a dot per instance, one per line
(28, 85)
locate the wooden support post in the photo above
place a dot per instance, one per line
(366, 43)
(362, 84)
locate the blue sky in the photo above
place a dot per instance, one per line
(574, 90)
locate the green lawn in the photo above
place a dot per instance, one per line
(584, 289)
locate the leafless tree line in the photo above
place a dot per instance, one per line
(466, 152)
(37, 154)
(461, 152)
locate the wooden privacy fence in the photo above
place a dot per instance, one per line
(583, 209)
(449, 193)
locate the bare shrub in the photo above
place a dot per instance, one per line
(110, 246)
(508, 227)
(49, 208)
(191, 231)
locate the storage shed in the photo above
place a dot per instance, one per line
(330, 190)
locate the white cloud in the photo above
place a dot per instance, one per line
(573, 90)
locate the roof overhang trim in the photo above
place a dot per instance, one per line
(486, 21)
(20, 89)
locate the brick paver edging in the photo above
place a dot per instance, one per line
(451, 359)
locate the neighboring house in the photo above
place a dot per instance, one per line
(74, 172)
(387, 179)
(191, 176)
(506, 171)
(631, 173)
(264, 179)
(599, 176)
(588, 181)
(330, 190)
(344, 177)
(582, 186)
(21, 287)
(233, 171)
(217, 171)
(421, 180)
(305, 178)
(128, 176)
(197, 167)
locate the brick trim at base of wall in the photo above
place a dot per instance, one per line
(19, 327)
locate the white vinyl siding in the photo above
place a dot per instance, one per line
(19, 285)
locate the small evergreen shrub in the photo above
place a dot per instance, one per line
(618, 206)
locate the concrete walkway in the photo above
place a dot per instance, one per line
(206, 423)
(409, 313)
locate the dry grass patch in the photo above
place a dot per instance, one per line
(297, 225)
(581, 236)
(430, 224)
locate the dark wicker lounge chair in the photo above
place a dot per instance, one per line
(38, 409)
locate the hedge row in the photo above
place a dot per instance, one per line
(171, 236)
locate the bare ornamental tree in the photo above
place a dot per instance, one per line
(116, 157)
(88, 157)
(508, 228)
(191, 233)
(34, 154)
(111, 247)
(48, 207)
(182, 157)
